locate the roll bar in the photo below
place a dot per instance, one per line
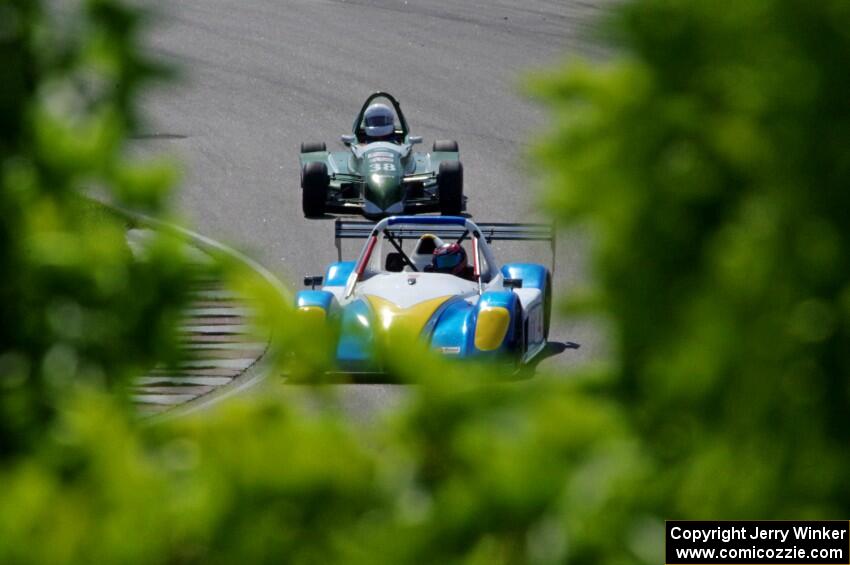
(396, 106)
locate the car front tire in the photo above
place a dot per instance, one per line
(314, 188)
(450, 182)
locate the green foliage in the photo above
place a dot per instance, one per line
(75, 307)
(710, 163)
(479, 474)
(706, 160)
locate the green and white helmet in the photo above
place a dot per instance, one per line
(379, 120)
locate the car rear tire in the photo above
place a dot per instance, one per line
(313, 146)
(450, 181)
(314, 188)
(445, 145)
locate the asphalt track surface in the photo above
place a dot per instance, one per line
(260, 76)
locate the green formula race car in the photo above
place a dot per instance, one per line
(380, 174)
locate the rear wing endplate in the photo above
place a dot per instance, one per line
(494, 231)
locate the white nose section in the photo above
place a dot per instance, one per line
(408, 289)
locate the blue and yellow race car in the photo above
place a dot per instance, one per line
(447, 290)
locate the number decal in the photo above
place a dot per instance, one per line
(386, 167)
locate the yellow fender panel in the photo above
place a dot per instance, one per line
(492, 327)
(311, 315)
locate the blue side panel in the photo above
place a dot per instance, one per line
(337, 273)
(319, 298)
(532, 275)
(356, 340)
(453, 331)
(437, 316)
(428, 220)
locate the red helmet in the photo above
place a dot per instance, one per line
(449, 258)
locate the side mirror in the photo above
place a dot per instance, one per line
(512, 283)
(313, 281)
(347, 139)
(414, 139)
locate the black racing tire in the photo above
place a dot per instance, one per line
(313, 146)
(520, 343)
(547, 306)
(450, 181)
(447, 145)
(520, 371)
(314, 188)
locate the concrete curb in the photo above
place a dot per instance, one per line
(263, 366)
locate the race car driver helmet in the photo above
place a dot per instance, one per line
(449, 258)
(379, 121)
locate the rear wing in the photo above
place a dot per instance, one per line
(494, 231)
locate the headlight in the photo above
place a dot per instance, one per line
(492, 327)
